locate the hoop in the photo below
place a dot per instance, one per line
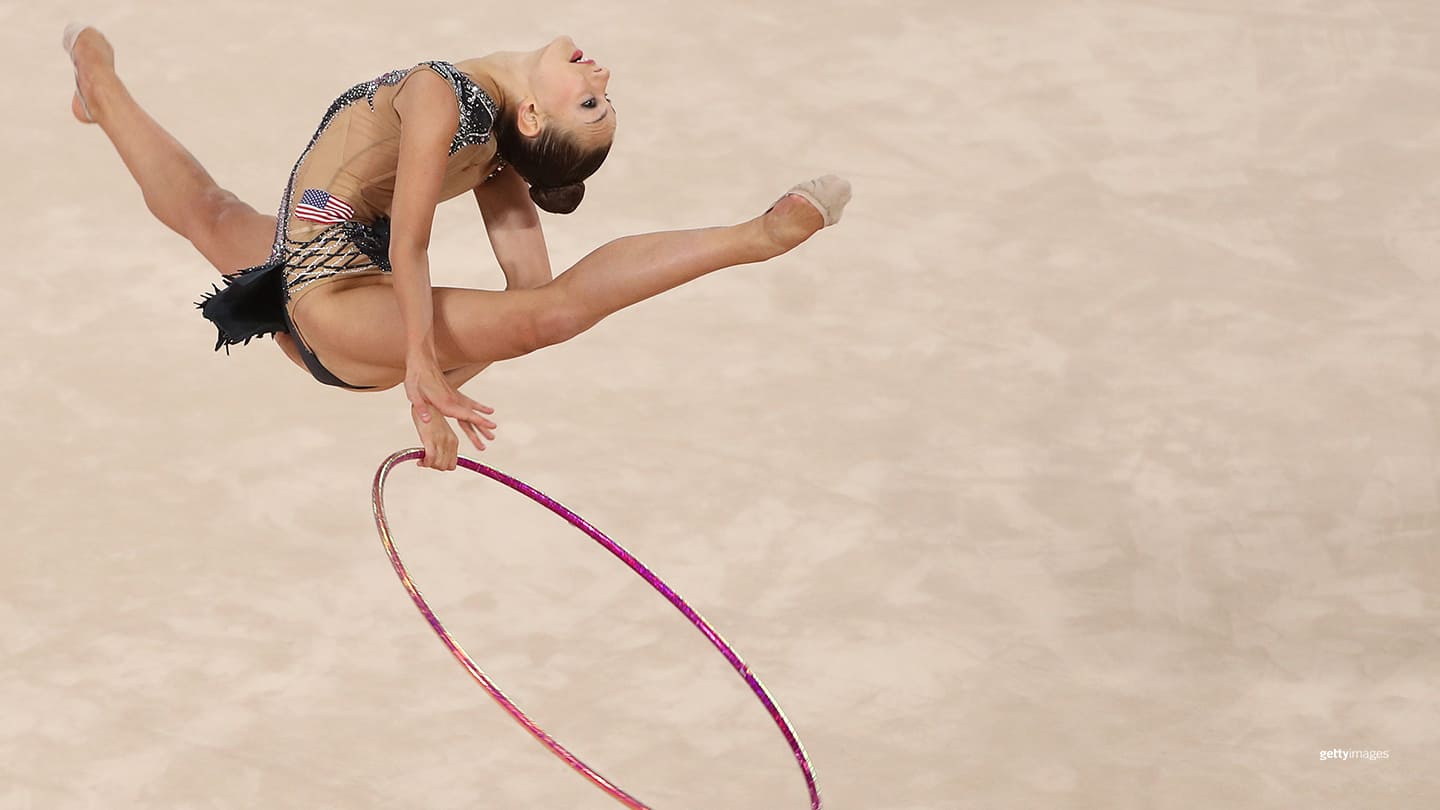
(377, 499)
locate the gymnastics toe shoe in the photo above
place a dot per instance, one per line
(829, 195)
(67, 41)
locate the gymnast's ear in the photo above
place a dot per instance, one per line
(527, 118)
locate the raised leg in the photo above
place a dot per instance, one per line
(177, 189)
(355, 331)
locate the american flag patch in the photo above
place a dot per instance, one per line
(322, 206)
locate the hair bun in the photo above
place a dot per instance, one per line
(559, 199)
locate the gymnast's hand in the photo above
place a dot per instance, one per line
(441, 446)
(432, 398)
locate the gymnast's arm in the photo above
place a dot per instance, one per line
(428, 118)
(513, 225)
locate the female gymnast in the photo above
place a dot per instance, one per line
(341, 274)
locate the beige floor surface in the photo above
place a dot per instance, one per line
(1090, 463)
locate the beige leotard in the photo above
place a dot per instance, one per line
(333, 222)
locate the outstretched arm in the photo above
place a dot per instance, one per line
(513, 225)
(428, 118)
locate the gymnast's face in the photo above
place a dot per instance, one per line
(569, 90)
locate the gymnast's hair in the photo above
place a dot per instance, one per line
(553, 163)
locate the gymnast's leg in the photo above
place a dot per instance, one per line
(177, 189)
(357, 331)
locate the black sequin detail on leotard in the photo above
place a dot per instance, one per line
(477, 109)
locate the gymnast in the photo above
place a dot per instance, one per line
(342, 272)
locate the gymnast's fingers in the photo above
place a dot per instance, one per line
(474, 437)
(449, 401)
(461, 407)
(485, 426)
(473, 405)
